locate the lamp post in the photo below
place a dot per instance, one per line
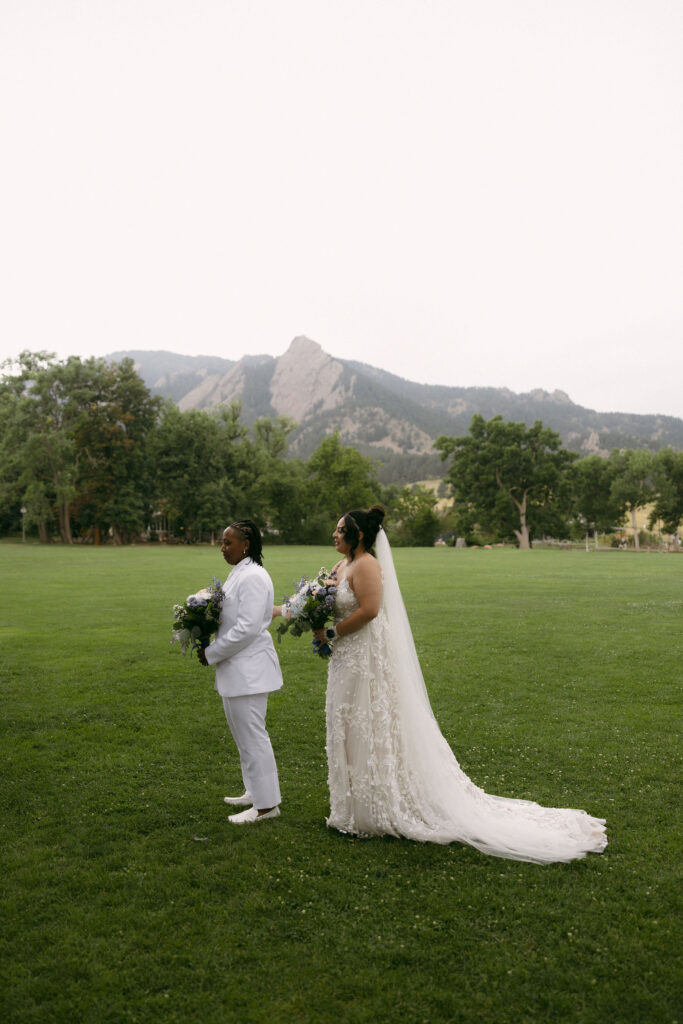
(23, 511)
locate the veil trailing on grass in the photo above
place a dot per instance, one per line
(434, 800)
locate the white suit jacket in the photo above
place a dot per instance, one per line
(243, 650)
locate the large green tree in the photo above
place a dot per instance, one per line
(113, 483)
(509, 479)
(38, 453)
(204, 467)
(417, 521)
(72, 443)
(281, 490)
(291, 517)
(632, 486)
(340, 479)
(596, 508)
(667, 474)
(72, 440)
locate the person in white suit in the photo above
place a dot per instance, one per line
(247, 669)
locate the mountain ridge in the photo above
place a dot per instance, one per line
(385, 416)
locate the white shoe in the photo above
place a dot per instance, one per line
(252, 815)
(239, 801)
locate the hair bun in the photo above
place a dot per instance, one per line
(377, 513)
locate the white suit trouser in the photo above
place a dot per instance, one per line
(247, 720)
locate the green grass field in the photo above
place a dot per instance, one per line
(126, 895)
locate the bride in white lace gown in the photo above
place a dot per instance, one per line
(391, 772)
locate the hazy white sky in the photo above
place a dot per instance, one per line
(466, 192)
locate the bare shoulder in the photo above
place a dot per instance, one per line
(367, 584)
(364, 571)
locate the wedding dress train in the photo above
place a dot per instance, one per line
(390, 770)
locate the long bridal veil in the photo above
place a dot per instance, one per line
(452, 808)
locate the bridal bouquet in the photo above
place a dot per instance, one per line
(311, 607)
(196, 620)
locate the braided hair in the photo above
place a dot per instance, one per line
(248, 529)
(365, 521)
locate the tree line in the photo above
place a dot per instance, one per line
(87, 453)
(513, 482)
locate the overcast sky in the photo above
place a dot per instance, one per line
(464, 192)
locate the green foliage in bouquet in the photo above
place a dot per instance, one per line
(311, 607)
(196, 620)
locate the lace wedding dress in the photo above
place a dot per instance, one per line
(391, 772)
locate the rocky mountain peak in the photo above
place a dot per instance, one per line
(302, 372)
(562, 397)
(301, 345)
(541, 395)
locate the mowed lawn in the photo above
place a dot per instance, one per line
(127, 896)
